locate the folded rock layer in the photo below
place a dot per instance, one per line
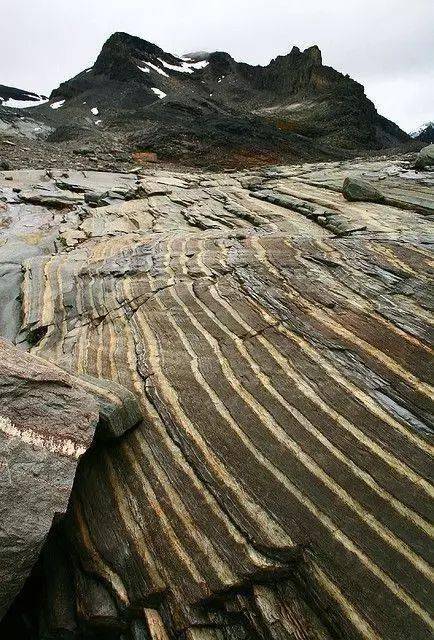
(276, 338)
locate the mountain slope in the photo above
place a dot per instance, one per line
(425, 133)
(208, 107)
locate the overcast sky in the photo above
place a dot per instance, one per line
(387, 45)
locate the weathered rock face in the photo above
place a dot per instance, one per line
(275, 337)
(46, 424)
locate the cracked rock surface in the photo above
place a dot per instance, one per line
(272, 481)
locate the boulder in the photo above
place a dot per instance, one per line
(359, 190)
(46, 424)
(425, 158)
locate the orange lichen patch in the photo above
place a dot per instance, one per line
(143, 157)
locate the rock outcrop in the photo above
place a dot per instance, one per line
(273, 480)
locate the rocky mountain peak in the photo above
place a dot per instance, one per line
(425, 133)
(176, 105)
(119, 50)
(197, 55)
(313, 54)
(310, 55)
(221, 63)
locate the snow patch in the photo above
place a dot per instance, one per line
(58, 104)
(184, 66)
(88, 70)
(95, 111)
(98, 121)
(157, 69)
(22, 104)
(199, 65)
(144, 69)
(159, 93)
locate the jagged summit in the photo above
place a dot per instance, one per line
(120, 49)
(205, 107)
(425, 133)
(311, 54)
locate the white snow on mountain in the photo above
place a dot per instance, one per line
(199, 65)
(415, 134)
(57, 105)
(184, 66)
(155, 68)
(22, 104)
(159, 93)
(144, 69)
(95, 111)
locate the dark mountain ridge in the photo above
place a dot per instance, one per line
(212, 108)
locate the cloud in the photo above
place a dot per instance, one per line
(388, 46)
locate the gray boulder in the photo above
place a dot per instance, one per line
(425, 158)
(359, 190)
(46, 423)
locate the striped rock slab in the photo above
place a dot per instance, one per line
(277, 340)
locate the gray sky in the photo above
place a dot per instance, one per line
(387, 45)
